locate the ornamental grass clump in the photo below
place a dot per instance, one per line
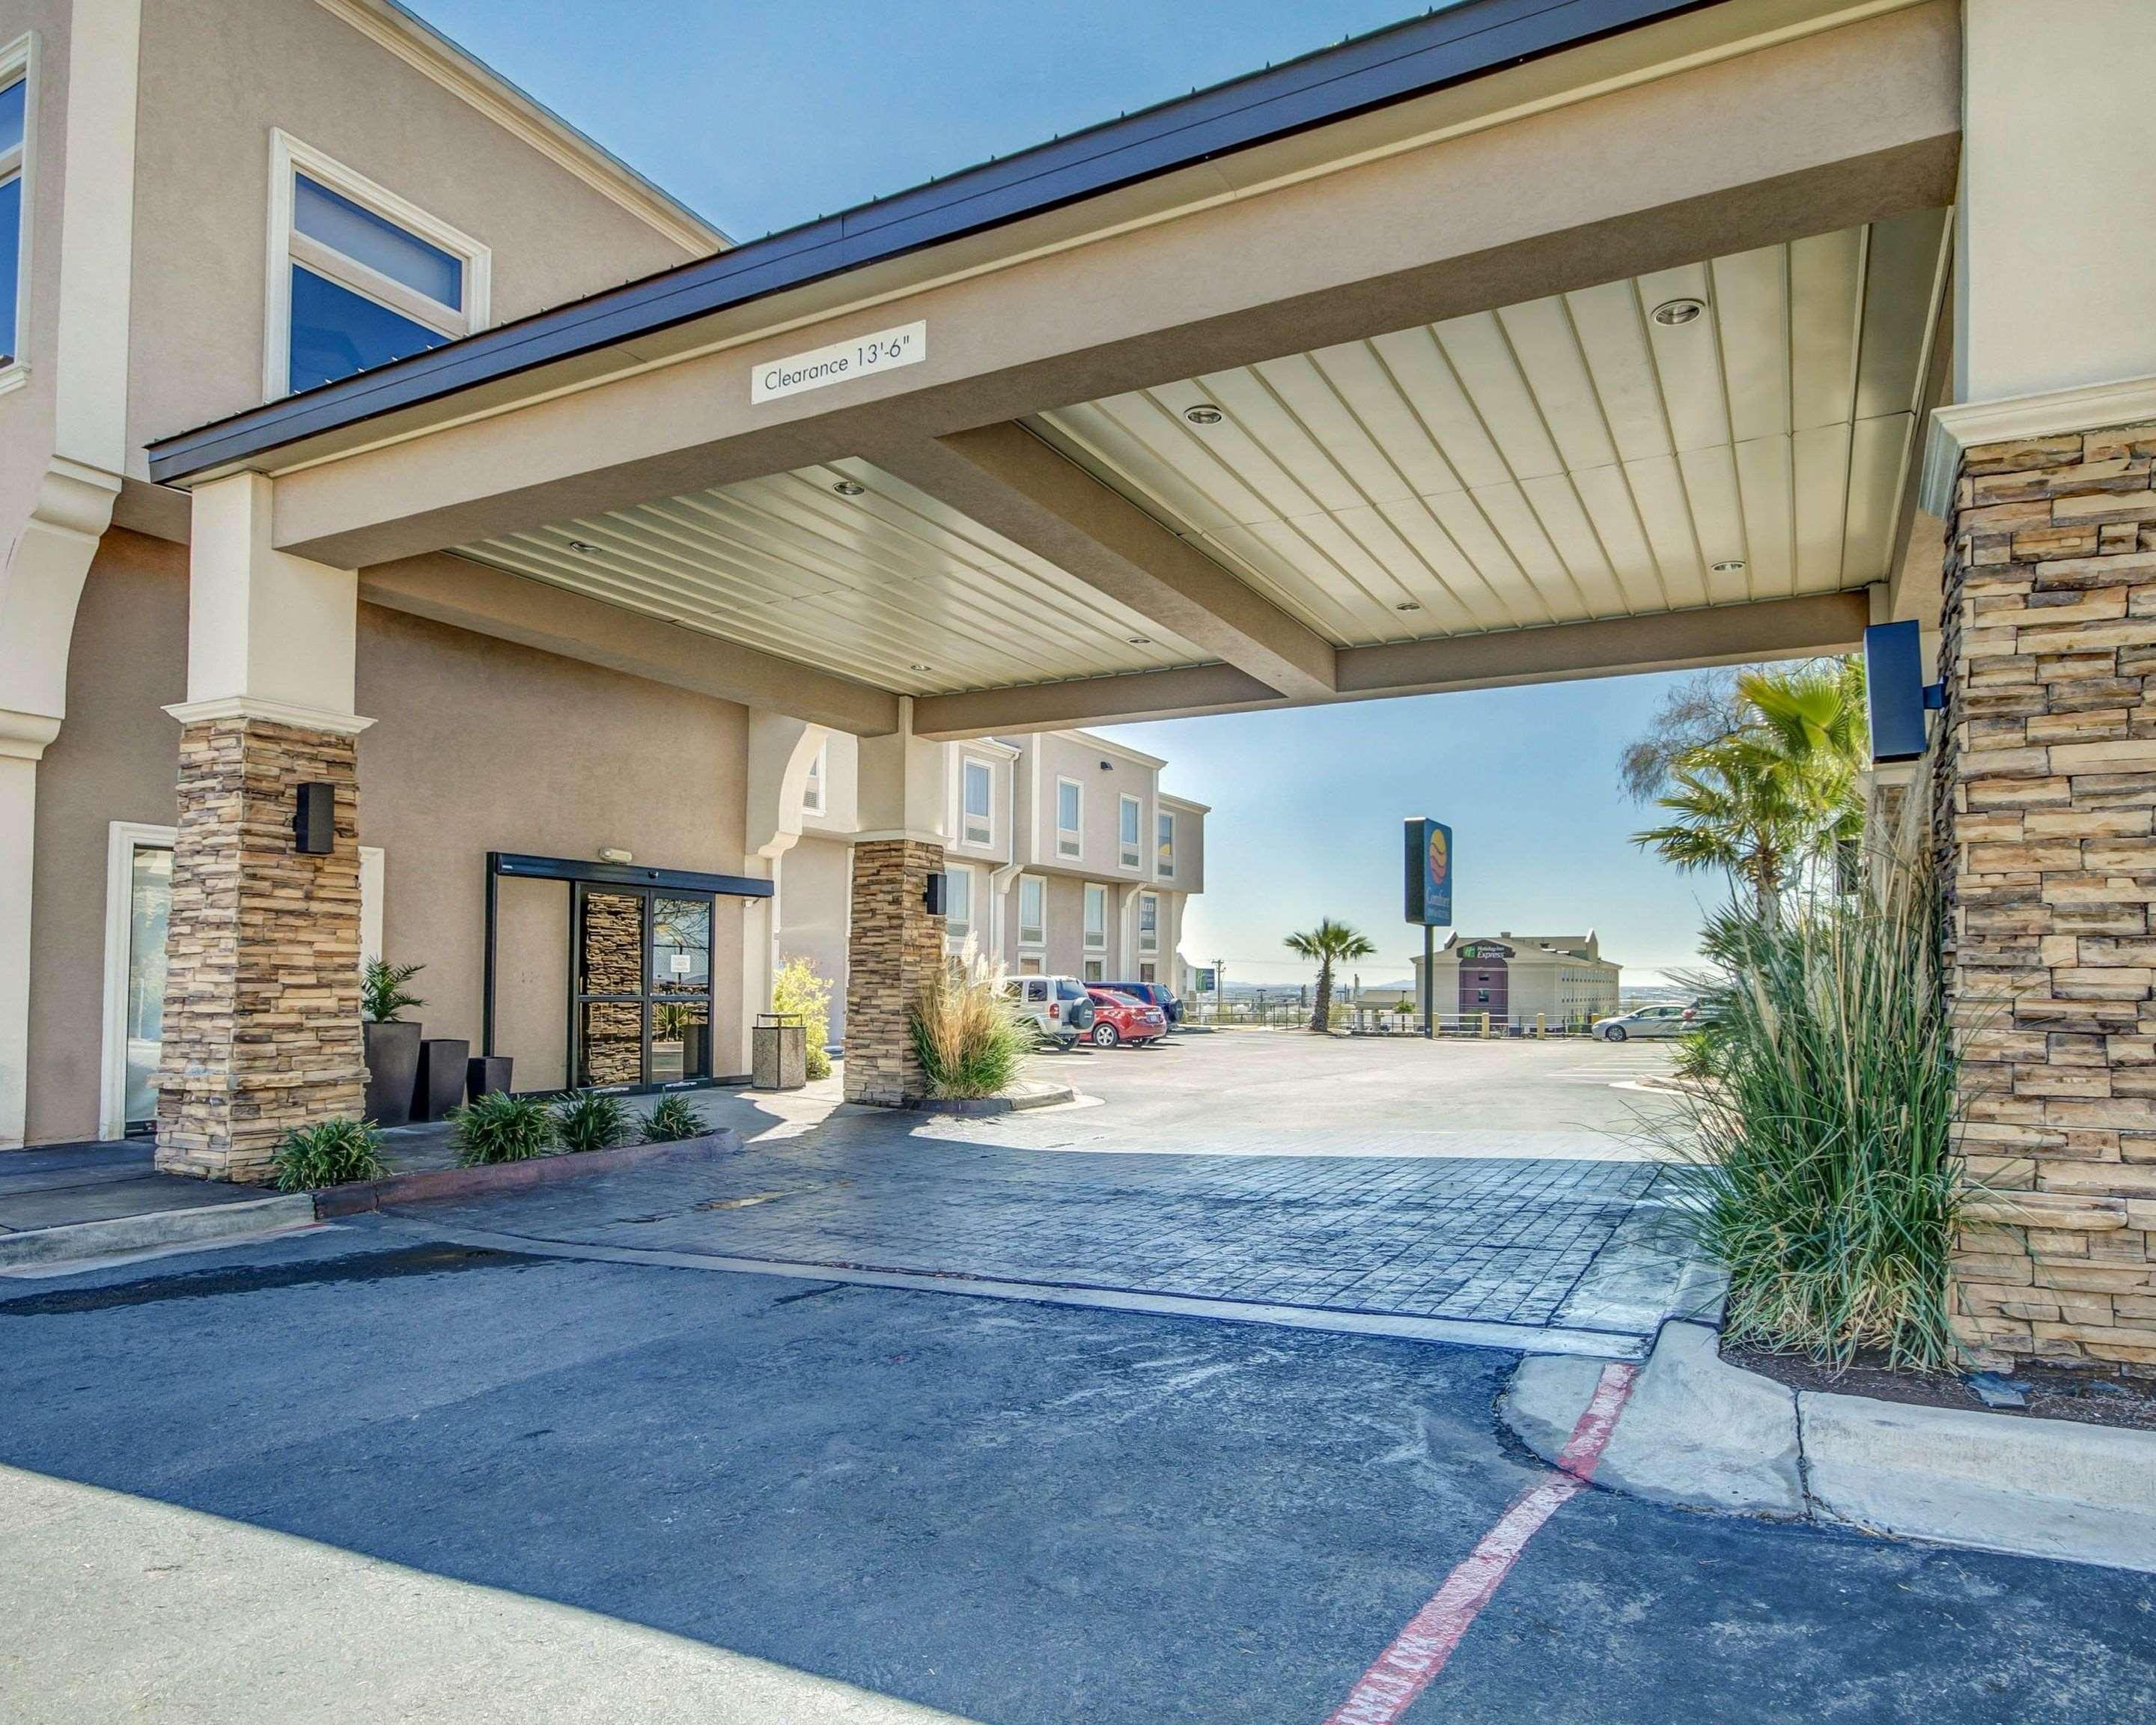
(499, 1127)
(672, 1120)
(331, 1153)
(968, 1032)
(591, 1120)
(1827, 1121)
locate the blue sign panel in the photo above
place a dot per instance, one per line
(1429, 873)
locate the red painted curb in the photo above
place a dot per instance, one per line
(433, 1184)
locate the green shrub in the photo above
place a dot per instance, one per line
(672, 1120)
(331, 1153)
(499, 1127)
(796, 988)
(591, 1120)
(968, 1033)
(382, 996)
(1831, 1183)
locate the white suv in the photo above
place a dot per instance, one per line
(1059, 1007)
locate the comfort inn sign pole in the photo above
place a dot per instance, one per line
(1430, 900)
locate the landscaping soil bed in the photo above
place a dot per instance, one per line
(2092, 1397)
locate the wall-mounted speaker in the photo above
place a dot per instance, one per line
(314, 821)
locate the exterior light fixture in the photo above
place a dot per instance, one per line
(314, 818)
(582, 547)
(1203, 413)
(1675, 314)
(848, 488)
(614, 853)
(1730, 566)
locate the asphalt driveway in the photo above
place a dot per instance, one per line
(1011, 1512)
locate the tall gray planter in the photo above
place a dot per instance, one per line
(393, 1069)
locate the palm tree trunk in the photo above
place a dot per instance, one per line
(1321, 1016)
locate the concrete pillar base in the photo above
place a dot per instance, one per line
(894, 947)
(2047, 767)
(262, 1024)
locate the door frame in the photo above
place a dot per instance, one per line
(122, 839)
(647, 999)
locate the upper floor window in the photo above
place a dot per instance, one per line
(812, 792)
(1130, 825)
(1032, 910)
(977, 802)
(1148, 922)
(14, 157)
(1164, 845)
(1069, 818)
(357, 276)
(1096, 915)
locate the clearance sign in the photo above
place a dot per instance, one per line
(1429, 873)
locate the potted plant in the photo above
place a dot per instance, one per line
(392, 1045)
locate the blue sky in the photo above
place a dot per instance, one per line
(760, 115)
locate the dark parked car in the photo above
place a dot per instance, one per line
(1158, 994)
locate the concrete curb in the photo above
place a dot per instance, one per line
(434, 1185)
(1045, 1095)
(1702, 1433)
(116, 1235)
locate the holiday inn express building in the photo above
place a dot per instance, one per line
(365, 427)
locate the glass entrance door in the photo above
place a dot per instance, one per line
(642, 1014)
(149, 908)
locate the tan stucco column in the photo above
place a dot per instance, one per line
(893, 945)
(262, 1024)
(2046, 759)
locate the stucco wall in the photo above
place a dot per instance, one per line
(478, 745)
(815, 880)
(217, 75)
(116, 758)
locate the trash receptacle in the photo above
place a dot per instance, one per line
(778, 1051)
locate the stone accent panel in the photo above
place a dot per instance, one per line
(262, 1026)
(894, 947)
(2047, 782)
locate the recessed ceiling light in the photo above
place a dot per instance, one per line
(1730, 566)
(848, 488)
(1203, 414)
(1140, 641)
(917, 667)
(1408, 605)
(1674, 314)
(582, 547)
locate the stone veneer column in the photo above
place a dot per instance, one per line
(262, 1024)
(894, 947)
(2047, 781)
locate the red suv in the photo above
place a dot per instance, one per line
(1124, 1018)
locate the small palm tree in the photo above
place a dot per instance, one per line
(1329, 943)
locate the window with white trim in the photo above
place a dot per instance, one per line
(1130, 823)
(1097, 916)
(1164, 845)
(358, 277)
(1148, 922)
(1069, 818)
(958, 903)
(976, 801)
(1032, 910)
(14, 185)
(1097, 970)
(812, 791)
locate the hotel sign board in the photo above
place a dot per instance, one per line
(841, 363)
(1429, 873)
